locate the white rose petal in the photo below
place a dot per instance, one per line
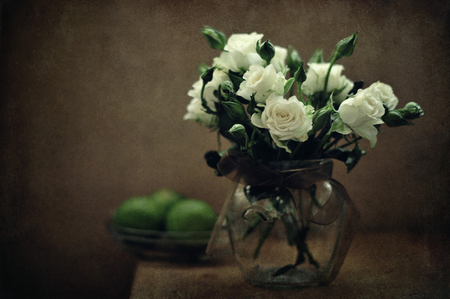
(240, 53)
(279, 60)
(315, 77)
(196, 112)
(243, 43)
(385, 93)
(208, 94)
(361, 112)
(286, 120)
(315, 81)
(345, 87)
(261, 81)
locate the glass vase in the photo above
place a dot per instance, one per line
(294, 232)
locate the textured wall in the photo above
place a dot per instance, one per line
(93, 94)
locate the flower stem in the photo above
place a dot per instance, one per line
(325, 86)
(350, 143)
(264, 234)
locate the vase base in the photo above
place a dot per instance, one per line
(294, 278)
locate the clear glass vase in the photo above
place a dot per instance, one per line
(284, 236)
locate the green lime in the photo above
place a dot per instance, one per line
(190, 215)
(139, 212)
(165, 198)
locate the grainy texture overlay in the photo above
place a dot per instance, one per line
(92, 99)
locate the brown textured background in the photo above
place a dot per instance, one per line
(93, 94)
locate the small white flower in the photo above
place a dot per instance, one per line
(240, 52)
(279, 60)
(385, 93)
(360, 113)
(345, 86)
(196, 113)
(263, 81)
(286, 119)
(315, 80)
(218, 78)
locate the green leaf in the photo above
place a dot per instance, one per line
(288, 85)
(316, 57)
(202, 68)
(236, 79)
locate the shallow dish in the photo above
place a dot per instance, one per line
(150, 244)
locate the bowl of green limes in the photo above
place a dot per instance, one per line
(163, 223)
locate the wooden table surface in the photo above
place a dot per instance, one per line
(378, 265)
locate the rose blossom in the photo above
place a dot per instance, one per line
(286, 119)
(385, 93)
(263, 82)
(240, 53)
(360, 113)
(196, 112)
(278, 61)
(208, 94)
(345, 86)
(315, 80)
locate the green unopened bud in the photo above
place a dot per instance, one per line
(207, 75)
(237, 131)
(216, 39)
(234, 110)
(300, 74)
(266, 50)
(395, 119)
(293, 60)
(412, 111)
(346, 46)
(320, 118)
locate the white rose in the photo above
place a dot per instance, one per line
(243, 42)
(196, 112)
(286, 119)
(263, 81)
(240, 52)
(279, 60)
(315, 78)
(218, 78)
(345, 86)
(360, 113)
(385, 93)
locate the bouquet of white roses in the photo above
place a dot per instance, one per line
(260, 97)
